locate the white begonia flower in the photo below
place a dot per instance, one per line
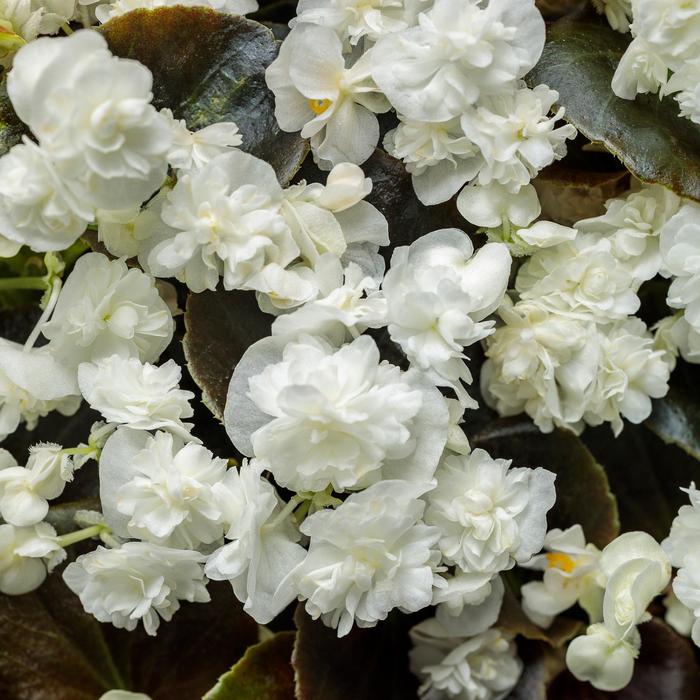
(33, 383)
(634, 570)
(542, 234)
(353, 20)
(516, 135)
(439, 294)
(680, 254)
(686, 586)
(640, 70)
(124, 695)
(26, 491)
(685, 529)
(570, 576)
(631, 373)
(194, 149)
(370, 555)
(632, 225)
(581, 278)
(678, 616)
(349, 308)
(617, 12)
(222, 220)
(136, 394)
(92, 115)
(156, 488)
(493, 205)
(485, 666)
(117, 231)
(105, 309)
(107, 10)
(263, 549)
(39, 207)
(330, 224)
(457, 440)
(540, 363)
(685, 84)
(321, 416)
(457, 52)
(316, 94)
(137, 581)
(466, 605)
(25, 555)
(440, 158)
(489, 515)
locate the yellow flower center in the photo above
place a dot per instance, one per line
(319, 106)
(557, 560)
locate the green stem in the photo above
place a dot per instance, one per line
(79, 450)
(301, 512)
(80, 535)
(23, 283)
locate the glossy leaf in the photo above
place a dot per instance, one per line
(646, 134)
(11, 126)
(50, 649)
(583, 492)
(367, 664)
(264, 673)
(221, 326)
(208, 67)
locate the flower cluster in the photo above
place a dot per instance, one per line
(451, 69)
(570, 351)
(662, 56)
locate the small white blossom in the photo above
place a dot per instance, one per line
(26, 491)
(25, 555)
(439, 294)
(516, 135)
(440, 158)
(581, 278)
(686, 586)
(316, 94)
(92, 115)
(138, 581)
(678, 616)
(483, 667)
(493, 205)
(541, 363)
(617, 12)
(194, 149)
(32, 384)
(457, 52)
(685, 529)
(321, 416)
(489, 515)
(632, 225)
(570, 576)
(155, 488)
(680, 254)
(106, 308)
(106, 11)
(631, 373)
(685, 83)
(370, 555)
(38, 206)
(263, 549)
(140, 395)
(117, 231)
(640, 70)
(222, 220)
(353, 20)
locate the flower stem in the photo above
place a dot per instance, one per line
(46, 314)
(86, 450)
(23, 283)
(80, 535)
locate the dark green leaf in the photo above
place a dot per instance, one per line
(676, 417)
(583, 492)
(209, 67)
(264, 673)
(221, 326)
(367, 664)
(647, 134)
(665, 670)
(50, 649)
(12, 128)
